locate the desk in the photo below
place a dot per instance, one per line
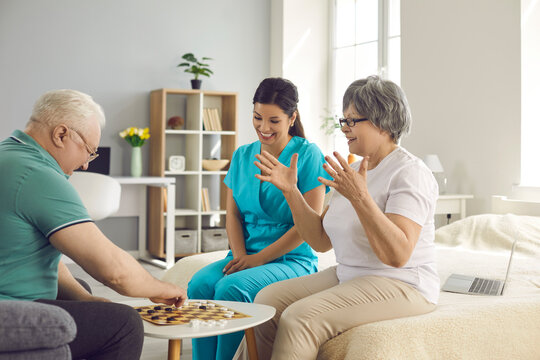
(175, 333)
(452, 204)
(133, 203)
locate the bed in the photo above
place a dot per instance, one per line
(462, 326)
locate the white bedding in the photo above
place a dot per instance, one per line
(462, 326)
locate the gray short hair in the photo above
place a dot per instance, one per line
(382, 102)
(70, 107)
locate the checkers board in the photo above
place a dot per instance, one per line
(191, 310)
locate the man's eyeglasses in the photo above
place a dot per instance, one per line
(350, 122)
(93, 154)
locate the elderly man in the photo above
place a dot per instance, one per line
(41, 217)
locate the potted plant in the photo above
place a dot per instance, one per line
(196, 68)
(329, 123)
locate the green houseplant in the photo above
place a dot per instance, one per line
(329, 122)
(195, 67)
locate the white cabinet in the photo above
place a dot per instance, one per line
(194, 143)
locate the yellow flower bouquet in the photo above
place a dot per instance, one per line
(135, 136)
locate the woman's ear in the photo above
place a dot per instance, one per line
(293, 118)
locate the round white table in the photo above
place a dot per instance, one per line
(258, 314)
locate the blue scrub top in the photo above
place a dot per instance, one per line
(266, 214)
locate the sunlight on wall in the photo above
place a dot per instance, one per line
(530, 92)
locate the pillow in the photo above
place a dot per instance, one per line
(27, 325)
(493, 232)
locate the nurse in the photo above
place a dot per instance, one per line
(265, 246)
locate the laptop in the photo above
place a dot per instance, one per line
(464, 284)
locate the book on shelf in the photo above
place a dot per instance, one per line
(211, 119)
(216, 121)
(205, 199)
(164, 192)
(206, 119)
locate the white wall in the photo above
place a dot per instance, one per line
(299, 51)
(461, 73)
(118, 51)
(530, 78)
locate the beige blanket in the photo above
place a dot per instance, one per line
(493, 232)
(462, 326)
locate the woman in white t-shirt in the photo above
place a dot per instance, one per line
(380, 223)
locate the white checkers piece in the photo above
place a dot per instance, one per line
(195, 323)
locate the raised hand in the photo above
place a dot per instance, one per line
(283, 177)
(348, 182)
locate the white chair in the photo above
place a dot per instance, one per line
(99, 193)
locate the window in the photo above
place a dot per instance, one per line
(366, 41)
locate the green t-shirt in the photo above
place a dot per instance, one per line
(36, 201)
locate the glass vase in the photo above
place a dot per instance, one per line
(136, 161)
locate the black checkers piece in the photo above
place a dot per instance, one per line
(202, 307)
(157, 307)
(138, 310)
(151, 311)
(171, 318)
(155, 317)
(168, 309)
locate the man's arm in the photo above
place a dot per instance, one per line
(107, 263)
(70, 289)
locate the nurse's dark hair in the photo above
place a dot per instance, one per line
(283, 93)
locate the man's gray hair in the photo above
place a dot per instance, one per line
(382, 102)
(70, 107)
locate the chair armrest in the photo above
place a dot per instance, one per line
(27, 325)
(184, 269)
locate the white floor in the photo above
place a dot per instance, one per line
(153, 349)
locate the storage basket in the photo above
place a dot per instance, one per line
(185, 241)
(214, 239)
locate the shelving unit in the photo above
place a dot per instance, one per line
(195, 144)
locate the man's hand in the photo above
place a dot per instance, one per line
(172, 295)
(242, 262)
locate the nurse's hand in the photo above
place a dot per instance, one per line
(283, 177)
(242, 262)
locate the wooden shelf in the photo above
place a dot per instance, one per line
(195, 144)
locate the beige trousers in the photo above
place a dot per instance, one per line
(315, 308)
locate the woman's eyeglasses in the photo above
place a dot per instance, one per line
(350, 122)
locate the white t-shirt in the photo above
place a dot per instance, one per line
(400, 184)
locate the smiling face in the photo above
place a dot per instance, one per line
(272, 126)
(365, 139)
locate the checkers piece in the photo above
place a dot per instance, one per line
(190, 313)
